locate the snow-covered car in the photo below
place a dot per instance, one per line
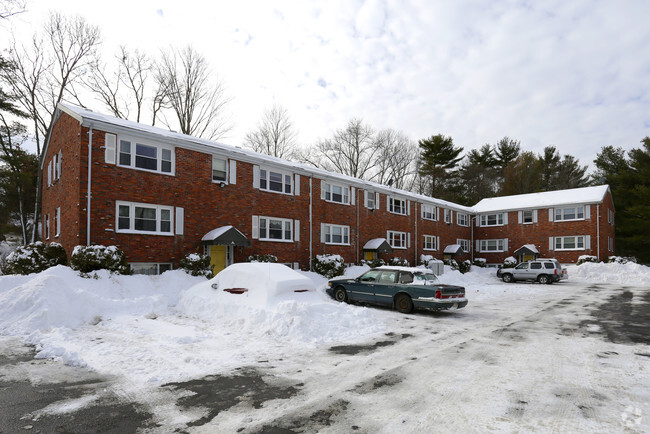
(539, 270)
(261, 280)
(403, 288)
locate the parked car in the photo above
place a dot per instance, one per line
(262, 280)
(540, 270)
(403, 288)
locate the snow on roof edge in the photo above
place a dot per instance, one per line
(582, 195)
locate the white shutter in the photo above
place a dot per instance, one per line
(451, 216)
(55, 166)
(59, 162)
(353, 195)
(551, 211)
(437, 243)
(49, 173)
(408, 240)
(408, 207)
(505, 218)
(588, 242)
(322, 189)
(478, 220)
(505, 245)
(322, 232)
(233, 172)
(588, 211)
(534, 216)
(437, 214)
(58, 221)
(180, 220)
(296, 185)
(256, 176)
(478, 245)
(520, 217)
(388, 203)
(365, 198)
(551, 245)
(296, 232)
(110, 146)
(376, 200)
(256, 227)
(296, 266)
(422, 211)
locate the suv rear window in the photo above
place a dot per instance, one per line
(549, 265)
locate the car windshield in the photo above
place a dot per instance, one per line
(370, 276)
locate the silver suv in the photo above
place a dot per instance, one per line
(540, 270)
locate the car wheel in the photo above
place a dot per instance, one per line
(340, 295)
(403, 303)
(544, 279)
(507, 278)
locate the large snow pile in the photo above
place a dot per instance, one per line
(625, 274)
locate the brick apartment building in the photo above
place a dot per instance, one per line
(159, 195)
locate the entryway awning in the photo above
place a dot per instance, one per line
(225, 236)
(526, 249)
(379, 245)
(454, 249)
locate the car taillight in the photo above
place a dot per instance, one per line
(556, 271)
(438, 294)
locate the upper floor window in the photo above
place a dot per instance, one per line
(276, 229)
(371, 199)
(461, 219)
(397, 240)
(448, 216)
(428, 212)
(397, 206)
(336, 234)
(219, 169)
(147, 157)
(570, 213)
(464, 244)
(144, 218)
(337, 193)
(527, 216)
(277, 181)
(492, 219)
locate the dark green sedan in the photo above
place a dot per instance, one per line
(403, 288)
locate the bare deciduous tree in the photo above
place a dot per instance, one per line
(185, 82)
(9, 8)
(275, 135)
(351, 151)
(395, 159)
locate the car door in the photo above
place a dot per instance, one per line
(535, 270)
(385, 287)
(363, 288)
(520, 272)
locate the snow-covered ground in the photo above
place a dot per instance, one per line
(519, 357)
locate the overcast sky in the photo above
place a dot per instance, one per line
(574, 74)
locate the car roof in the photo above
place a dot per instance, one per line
(409, 269)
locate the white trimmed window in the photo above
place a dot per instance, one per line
(149, 268)
(140, 218)
(492, 245)
(448, 216)
(397, 240)
(57, 222)
(492, 219)
(219, 169)
(429, 242)
(397, 206)
(610, 216)
(570, 213)
(527, 216)
(570, 243)
(428, 212)
(462, 220)
(337, 193)
(337, 234)
(154, 158)
(371, 199)
(276, 181)
(464, 244)
(275, 229)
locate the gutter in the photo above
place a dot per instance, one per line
(311, 229)
(89, 191)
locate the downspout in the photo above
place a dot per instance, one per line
(415, 241)
(471, 245)
(356, 192)
(598, 231)
(310, 222)
(89, 192)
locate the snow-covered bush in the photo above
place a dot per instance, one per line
(92, 258)
(586, 258)
(509, 262)
(463, 266)
(480, 262)
(621, 259)
(374, 263)
(398, 262)
(196, 265)
(263, 258)
(328, 265)
(34, 258)
(424, 260)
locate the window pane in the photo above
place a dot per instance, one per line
(145, 157)
(262, 228)
(287, 230)
(287, 183)
(337, 193)
(275, 181)
(123, 221)
(275, 229)
(558, 213)
(569, 242)
(569, 213)
(580, 212)
(125, 153)
(145, 219)
(580, 242)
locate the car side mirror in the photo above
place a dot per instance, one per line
(357, 279)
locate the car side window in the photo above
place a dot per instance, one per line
(387, 277)
(405, 277)
(523, 266)
(536, 266)
(370, 276)
(549, 265)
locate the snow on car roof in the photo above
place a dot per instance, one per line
(409, 269)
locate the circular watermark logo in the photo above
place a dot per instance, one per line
(631, 416)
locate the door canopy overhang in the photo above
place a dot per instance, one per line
(225, 236)
(379, 245)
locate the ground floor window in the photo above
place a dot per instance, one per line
(149, 268)
(144, 218)
(492, 245)
(336, 234)
(429, 243)
(275, 229)
(464, 244)
(570, 243)
(397, 240)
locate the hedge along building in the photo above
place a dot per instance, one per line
(160, 195)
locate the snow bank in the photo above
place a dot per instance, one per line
(625, 274)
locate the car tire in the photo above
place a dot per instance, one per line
(507, 277)
(340, 295)
(544, 279)
(403, 303)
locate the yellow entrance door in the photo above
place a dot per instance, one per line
(529, 257)
(370, 256)
(217, 258)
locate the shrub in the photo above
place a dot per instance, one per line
(398, 262)
(34, 258)
(509, 262)
(424, 260)
(586, 258)
(480, 262)
(196, 265)
(621, 259)
(463, 266)
(373, 263)
(262, 258)
(328, 265)
(92, 258)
